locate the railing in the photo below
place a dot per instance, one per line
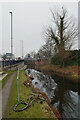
(10, 64)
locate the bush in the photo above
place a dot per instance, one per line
(72, 59)
(56, 60)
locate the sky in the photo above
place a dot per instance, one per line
(29, 21)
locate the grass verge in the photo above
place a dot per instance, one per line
(0, 84)
(5, 79)
(36, 111)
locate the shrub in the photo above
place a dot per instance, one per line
(72, 59)
(56, 60)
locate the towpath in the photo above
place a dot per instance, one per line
(4, 94)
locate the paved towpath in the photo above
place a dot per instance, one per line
(2, 76)
(4, 94)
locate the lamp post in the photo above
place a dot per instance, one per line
(11, 36)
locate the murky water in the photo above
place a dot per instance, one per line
(64, 95)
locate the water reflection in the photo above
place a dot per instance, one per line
(63, 95)
(67, 102)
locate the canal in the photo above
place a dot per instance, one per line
(64, 95)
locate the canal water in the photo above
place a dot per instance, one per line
(63, 94)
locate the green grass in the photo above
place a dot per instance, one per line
(0, 84)
(35, 111)
(6, 78)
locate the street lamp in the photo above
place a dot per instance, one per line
(11, 36)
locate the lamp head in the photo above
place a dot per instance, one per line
(10, 12)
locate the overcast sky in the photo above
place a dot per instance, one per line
(29, 19)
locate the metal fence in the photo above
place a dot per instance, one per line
(9, 62)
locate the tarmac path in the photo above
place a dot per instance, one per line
(4, 94)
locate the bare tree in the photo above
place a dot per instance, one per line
(65, 31)
(45, 51)
(33, 54)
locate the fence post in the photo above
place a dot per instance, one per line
(18, 83)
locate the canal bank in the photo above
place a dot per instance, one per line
(36, 87)
(63, 96)
(71, 73)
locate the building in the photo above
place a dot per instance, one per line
(10, 56)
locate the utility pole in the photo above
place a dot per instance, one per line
(11, 36)
(22, 48)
